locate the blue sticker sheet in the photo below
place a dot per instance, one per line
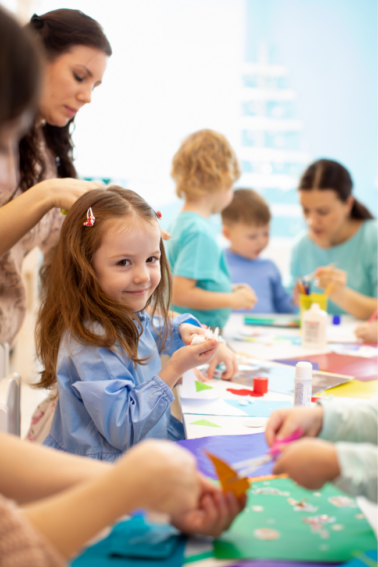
(258, 407)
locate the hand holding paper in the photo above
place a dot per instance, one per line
(187, 358)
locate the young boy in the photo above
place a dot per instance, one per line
(246, 226)
(204, 169)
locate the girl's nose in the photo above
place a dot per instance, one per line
(141, 274)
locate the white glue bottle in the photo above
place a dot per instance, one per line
(314, 328)
(303, 384)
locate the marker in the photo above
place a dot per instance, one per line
(374, 316)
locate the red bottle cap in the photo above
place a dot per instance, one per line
(260, 384)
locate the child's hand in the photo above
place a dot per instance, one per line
(228, 357)
(214, 514)
(186, 331)
(309, 462)
(331, 275)
(285, 422)
(243, 297)
(166, 474)
(367, 332)
(186, 358)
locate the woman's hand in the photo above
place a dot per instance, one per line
(214, 513)
(367, 332)
(285, 422)
(186, 358)
(166, 474)
(309, 462)
(331, 276)
(243, 297)
(228, 357)
(62, 193)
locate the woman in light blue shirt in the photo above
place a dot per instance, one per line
(340, 245)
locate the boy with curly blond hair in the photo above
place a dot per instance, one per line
(204, 168)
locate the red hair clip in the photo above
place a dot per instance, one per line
(90, 218)
(159, 215)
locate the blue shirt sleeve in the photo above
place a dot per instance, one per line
(122, 411)
(175, 342)
(283, 302)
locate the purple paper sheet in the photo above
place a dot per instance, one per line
(270, 563)
(230, 448)
(315, 365)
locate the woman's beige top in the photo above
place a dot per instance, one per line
(20, 544)
(45, 235)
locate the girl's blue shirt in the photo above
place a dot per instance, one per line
(105, 404)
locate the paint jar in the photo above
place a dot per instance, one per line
(303, 384)
(260, 384)
(314, 328)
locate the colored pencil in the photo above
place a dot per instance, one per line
(374, 316)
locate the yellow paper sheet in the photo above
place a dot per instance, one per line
(355, 389)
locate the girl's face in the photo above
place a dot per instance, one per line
(69, 80)
(325, 214)
(127, 263)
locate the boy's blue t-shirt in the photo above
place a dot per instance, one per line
(357, 256)
(194, 253)
(263, 276)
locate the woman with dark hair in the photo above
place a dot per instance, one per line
(75, 53)
(340, 246)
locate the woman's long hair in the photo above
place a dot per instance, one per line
(331, 175)
(72, 299)
(20, 70)
(57, 31)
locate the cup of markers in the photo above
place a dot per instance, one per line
(306, 298)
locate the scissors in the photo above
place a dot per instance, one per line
(249, 466)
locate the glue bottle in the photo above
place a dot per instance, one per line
(303, 384)
(314, 328)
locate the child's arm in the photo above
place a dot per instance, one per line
(282, 301)
(155, 475)
(185, 293)
(47, 471)
(351, 301)
(368, 332)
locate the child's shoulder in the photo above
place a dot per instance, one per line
(190, 222)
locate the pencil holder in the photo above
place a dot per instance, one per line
(305, 301)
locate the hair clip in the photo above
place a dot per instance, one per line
(37, 21)
(158, 214)
(90, 218)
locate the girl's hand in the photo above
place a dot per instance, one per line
(285, 422)
(228, 357)
(331, 275)
(243, 297)
(165, 235)
(309, 462)
(166, 474)
(186, 331)
(62, 193)
(186, 358)
(214, 514)
(367, 332)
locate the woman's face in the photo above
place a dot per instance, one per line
(10, 134)
(325, 214)
(68, 83)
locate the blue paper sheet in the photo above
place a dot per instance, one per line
(258, 407)
(230, 448)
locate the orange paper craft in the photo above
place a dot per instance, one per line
(229, 479)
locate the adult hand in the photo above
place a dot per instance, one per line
(309, 462)
(62, 193)
(367, 332)
(215, 511)
(285, 422)
(328, 275)
(243, 297)
(165, 235)
(228, 357)
(167, 476)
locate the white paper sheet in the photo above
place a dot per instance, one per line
(188, 389)
(210, 407)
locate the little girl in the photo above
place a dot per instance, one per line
(95, 338)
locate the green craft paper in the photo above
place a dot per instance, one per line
(201, 386)
(296, 541)
(205, 422)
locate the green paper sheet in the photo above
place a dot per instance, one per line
(271, 528)
(205, 422)
(201, 386)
